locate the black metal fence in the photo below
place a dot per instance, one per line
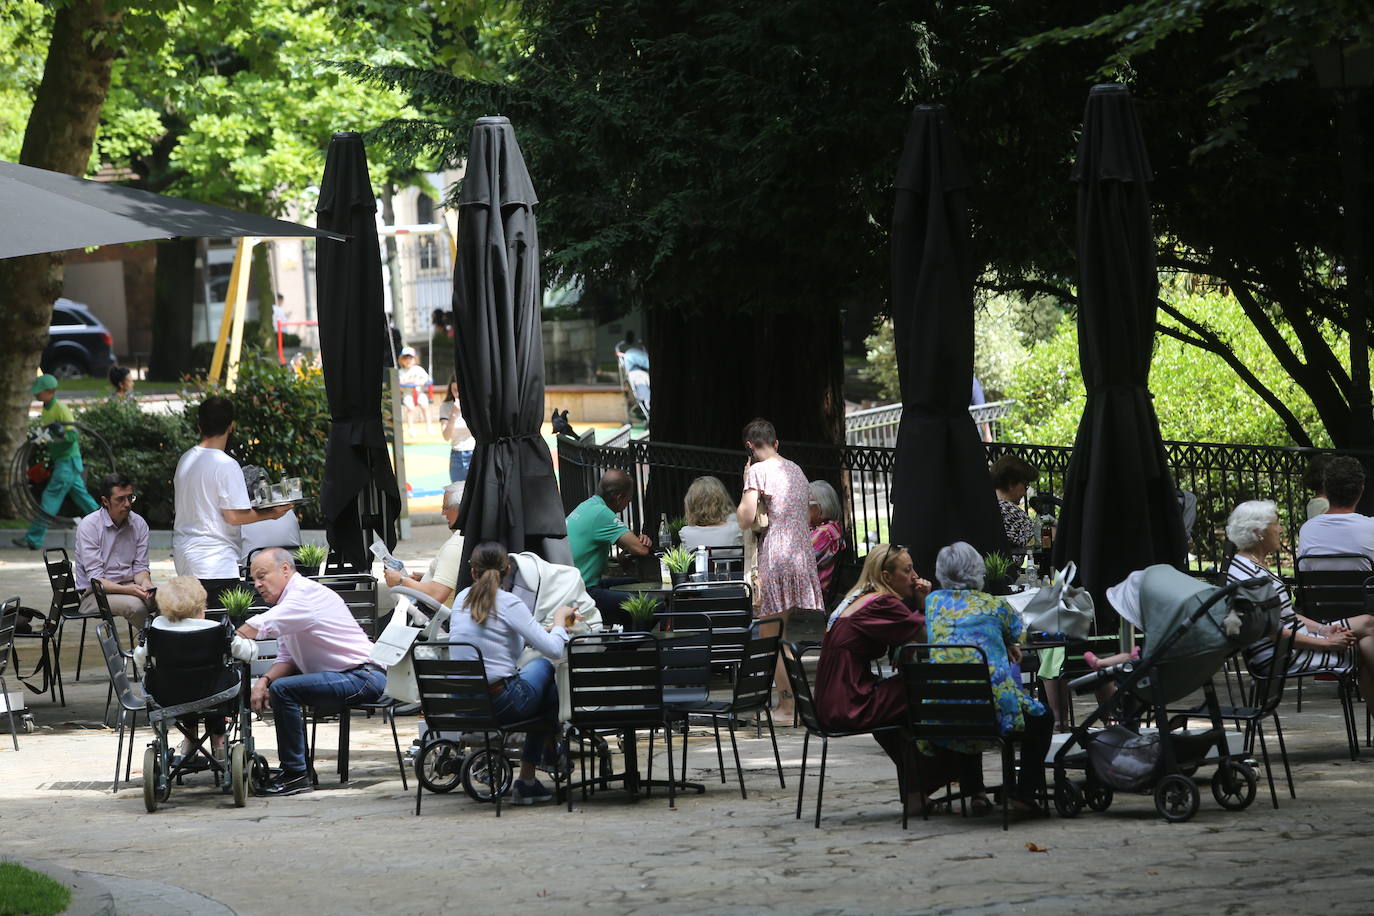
(1219, 477)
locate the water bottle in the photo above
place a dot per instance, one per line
(703, 559)
(665, 534)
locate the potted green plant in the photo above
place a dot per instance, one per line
(997, 573)
(675, 526)
(679, 562)
(237, 601)
(641, 609)
(309, 558)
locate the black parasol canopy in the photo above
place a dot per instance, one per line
(1121, 512)
(941, 489)
(359, 493)
(511, 495)
(52, 211)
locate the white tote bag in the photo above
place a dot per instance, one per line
(1060, 607)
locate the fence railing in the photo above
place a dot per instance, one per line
(1219, 476)
(877, 426)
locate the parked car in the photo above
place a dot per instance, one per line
(78, 343)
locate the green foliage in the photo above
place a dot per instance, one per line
(1196, 395)
(311, 554)
(281, 424)
(147, 447)
(27, 893)
(679, 560)
(996, 565)
(237, 600)
(640, 607)
(24, 28)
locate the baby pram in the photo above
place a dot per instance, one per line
(191, 673)
(1190, 629)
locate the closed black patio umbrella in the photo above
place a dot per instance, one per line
(941, 489)
(511, 495)
(1121, 512)
(359, 495)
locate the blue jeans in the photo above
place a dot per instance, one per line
(67, 479)
(325, 690)
(608, 601)
(531, 694)
(458, 464)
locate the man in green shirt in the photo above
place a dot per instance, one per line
(593, 528)
(68, 471)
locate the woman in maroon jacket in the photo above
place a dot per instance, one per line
(872, 619)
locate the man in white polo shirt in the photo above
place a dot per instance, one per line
(1340, 529)
(324, 659)
(211, 503)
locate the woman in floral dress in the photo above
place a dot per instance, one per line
(787, 567)
(960, 613)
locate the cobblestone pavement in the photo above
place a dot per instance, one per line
(360, 848)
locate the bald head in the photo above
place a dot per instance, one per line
(615, 489)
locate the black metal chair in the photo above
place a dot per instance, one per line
(806, 710)
(753, 686)
(1266, 691)
(132, 700)
(1331, 586)
(724, 606)
(9, 616)
(454, 698)
(45, 629)
(66, 600)
(615, 684)
(102, 606)
(359, 592)
(952, 700)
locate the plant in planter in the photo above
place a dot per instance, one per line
(641, 609)
(309, 558)
(675, 526)
(237, 601)
(997, 571)
(679, 562)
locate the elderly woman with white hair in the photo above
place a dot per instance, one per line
(960, 613)
(827, 536)
(1336, 646)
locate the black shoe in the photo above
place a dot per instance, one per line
(288, 783)
(20, 542)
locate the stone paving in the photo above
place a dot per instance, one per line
(360, 849)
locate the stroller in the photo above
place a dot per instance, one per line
(1190, 629)
(191, 674)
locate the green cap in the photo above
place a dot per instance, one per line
(44, 382)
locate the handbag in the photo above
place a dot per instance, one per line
(1060, 607)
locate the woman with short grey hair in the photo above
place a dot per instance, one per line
(960, 613)
(827, 535)
(1337, 646)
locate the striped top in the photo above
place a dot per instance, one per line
(1305, 659)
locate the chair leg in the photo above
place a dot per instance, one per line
(81, 647)
(801, 778)
(492, 769)
(820, 781)
(773, 736)
(14, 735)
(396, 743)
(1283, 752)
(345, 727)
(739, 770)
(1268, 767)
(119, 748)
(683, 769)
(133, 731)
(668, 740)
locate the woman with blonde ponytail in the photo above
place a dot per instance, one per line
(501, 625)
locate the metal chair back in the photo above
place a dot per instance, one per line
(614, 681)
(129, 695)
(802, 698)
(725, 560)
(754, 678)
(66, 600)
(1332, 586)
(685, 660)
(727, 608)
(949, 699)
(452, 682)
(359, 592)
(9, 619)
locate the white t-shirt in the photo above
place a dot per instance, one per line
(1343, 532)
(726, 534)
(204, 545)
(272, 532)
(458, 433)
(448, 563)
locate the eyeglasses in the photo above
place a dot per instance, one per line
(127, 499)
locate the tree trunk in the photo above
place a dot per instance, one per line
(59, 136)
(170, 359)
(712, 374)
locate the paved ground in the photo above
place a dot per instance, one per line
(360, 849)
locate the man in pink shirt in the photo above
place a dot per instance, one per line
(112, 547)
(324, 659)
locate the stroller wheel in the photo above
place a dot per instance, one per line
(1098, 796)
(238, 774)
(1068, 798)
(152, 764)
(479, 775)
(1176, 798)
(438, 765)
(260, 775)
(1234, 786)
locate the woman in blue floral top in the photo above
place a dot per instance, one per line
(961, 613)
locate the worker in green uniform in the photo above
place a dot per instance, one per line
(68, 471)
